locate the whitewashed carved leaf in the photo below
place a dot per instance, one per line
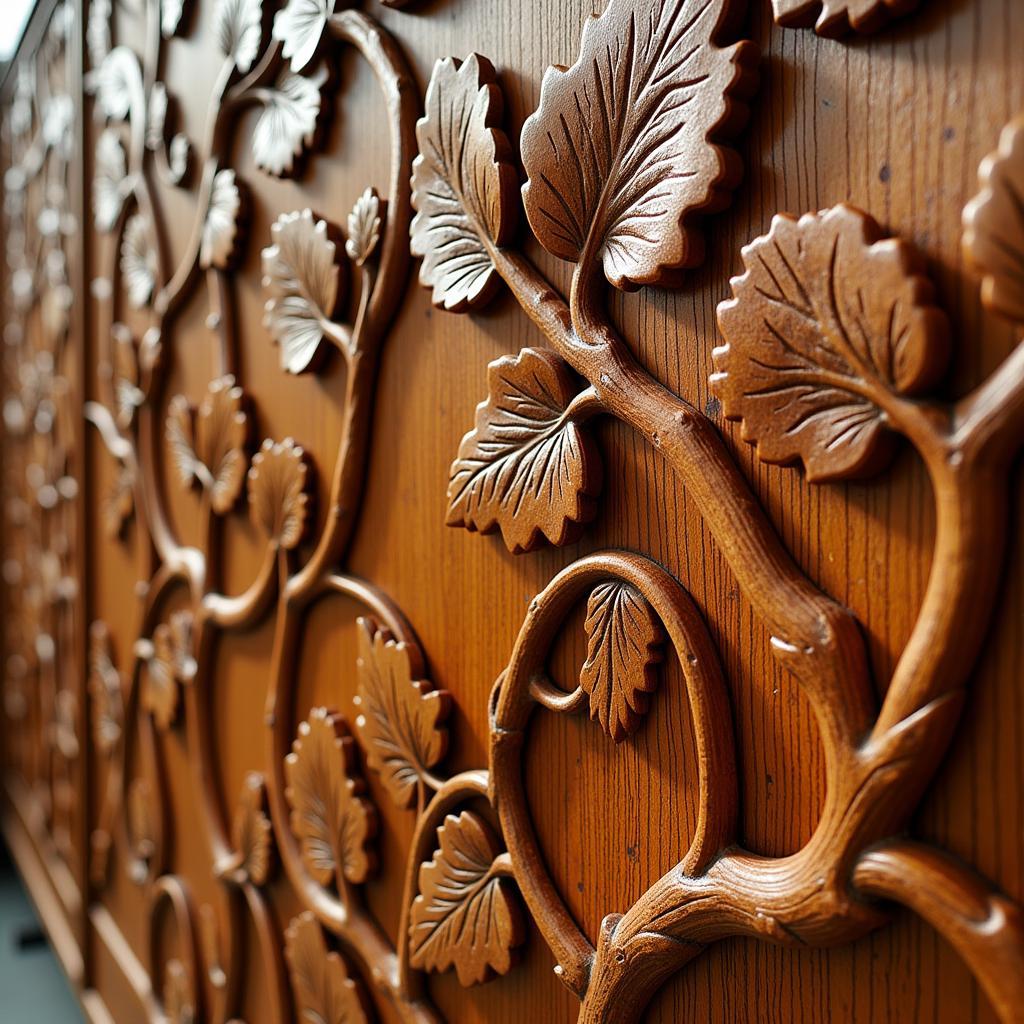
(220, 442)
(333, 821)
(179, 439)
(108, 180)
(251, 833)
(97, 31)
(115, 81)
(170, 16)
(526, 467)
(239, 28)
(364, 223)
(221, 224)
(465, 915)
(324, 992)
(277, 491)
(828, 323)
(287, 124)
(300, 277)
(619, 153)
(299, 26)
(994, 223)
(139, 260)
(623, 646)
(463, 184)
(156, 115)
(400, 717)
(834, 18)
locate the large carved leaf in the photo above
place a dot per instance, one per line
(220, 442)
(277, 495)
(300, 277)
(828, 325)
(239, 28)
(332, 820)
(526, 467)
(400, 717)
(299, 27)
(465, 914)
(619, 152)
(994, 222)
(834, 18)
(324, 993)
(463, 184)
(287, 124)
(623, 647)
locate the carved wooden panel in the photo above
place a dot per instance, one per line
(510, 509)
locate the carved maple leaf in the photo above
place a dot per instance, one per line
(299, 27)
(104, 691)
(301, 278)
(364, 223)
(139, 260)
(251, 833)
(834, 18)
(463, 184)
(619, 153)
(526, 467)
(221, 224)
(324, 993)
(400, 717)
(277, 497)
(465, 915)
(994, 225)
(287, 124)
(333, 821)
(827, 326)
(239, 29)
(623, 647)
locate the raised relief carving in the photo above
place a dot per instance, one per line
(834, 18)
(251, 834)
(323, 990)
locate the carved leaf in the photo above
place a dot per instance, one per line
(179, 438)
(525, 467)
(170, 16)
(179, 995)
(119, 501)
(114, 82)
(836, 17)
(299, 27)
(828, 324)
(364, 227)
(277, 496)
(400, 720)
(220, 442)
(156, 115)
(221, 224)
(623, 646)
(619, 152)
(239, 28)
(465, 915)
(128, 396)
(287, 124)
(994, 223)
(141, 828)
(463, 184)
(251, 832)
(324, 993)
(139, 260)
(104, 691)
(301, 278)
(333, 821)
(108, 179)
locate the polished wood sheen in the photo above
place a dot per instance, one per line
(510, 510)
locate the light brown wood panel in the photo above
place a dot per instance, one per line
(801, 778)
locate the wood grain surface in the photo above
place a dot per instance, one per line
(894, 122)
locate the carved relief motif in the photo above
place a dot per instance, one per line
(834, 18)
(832, 338)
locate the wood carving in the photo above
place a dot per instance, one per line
(833, 343)
(835, 18)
